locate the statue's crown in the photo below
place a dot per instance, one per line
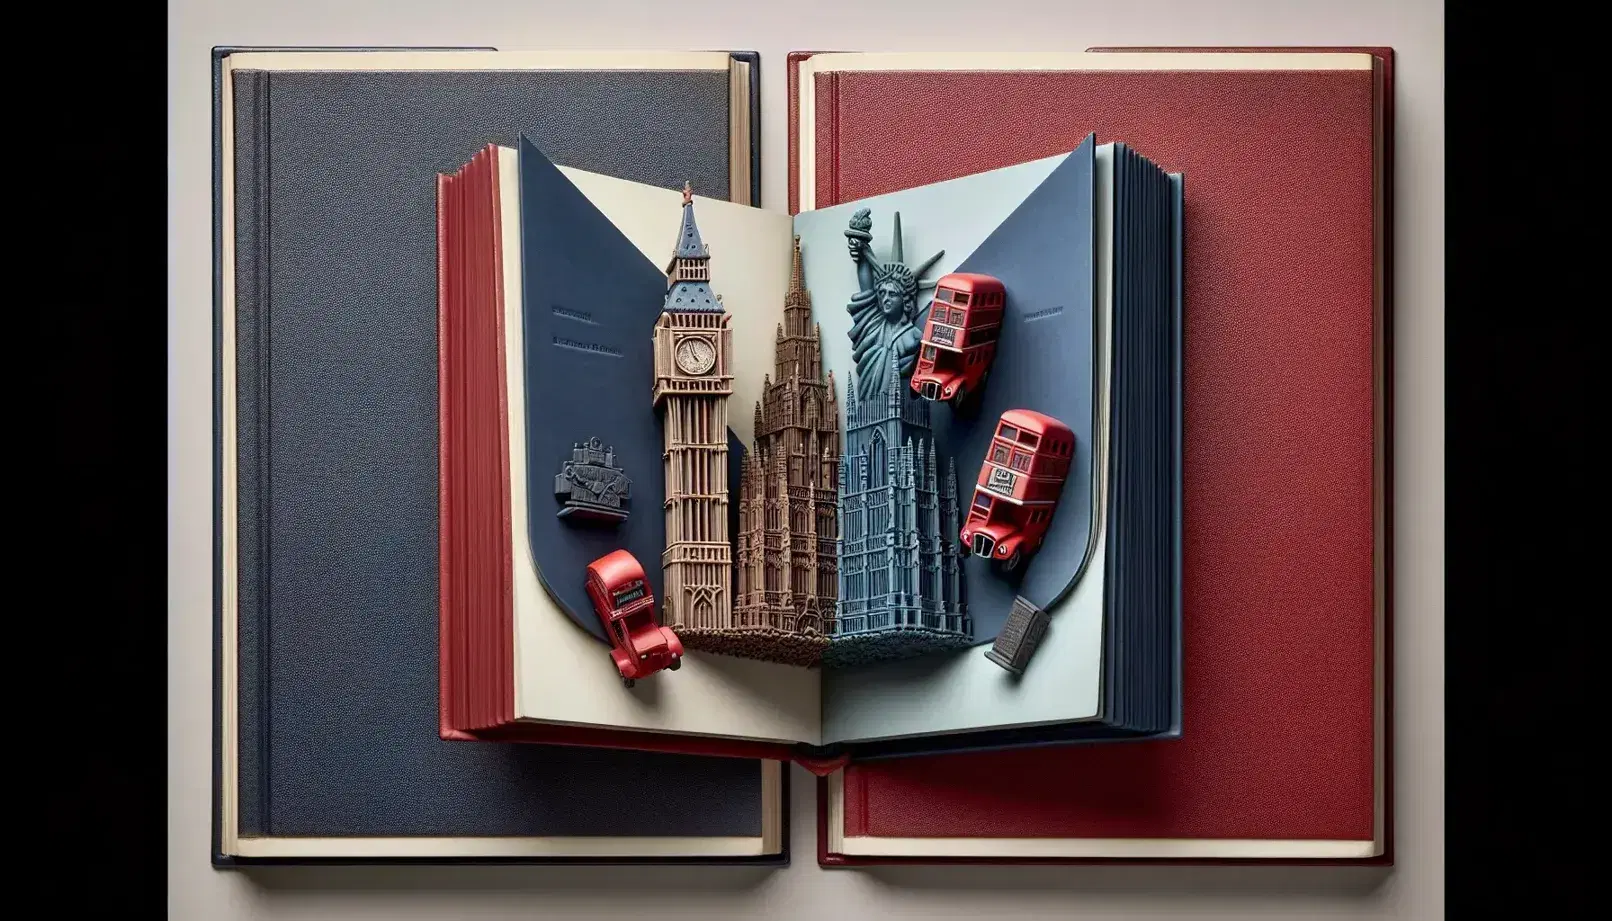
(903, 276)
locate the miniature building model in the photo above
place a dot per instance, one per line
(693, 347)
(901, 579)
(591, 486)
(786, 542)
(1021, 634)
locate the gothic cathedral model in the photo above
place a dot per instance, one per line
(693, 348)
(901, 589)
(784, 610)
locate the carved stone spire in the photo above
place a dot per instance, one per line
(798, 294)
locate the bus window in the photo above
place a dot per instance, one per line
(982, 502)
(1021, 461)
(957, 318)
(1028, 440)
(1007, 432)
(999, 454)
(929, 353)
(629, 593)
(943, 295)
(960, 299)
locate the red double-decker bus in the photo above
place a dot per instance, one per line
(960, 336)
(1018, 487)
(639, 645)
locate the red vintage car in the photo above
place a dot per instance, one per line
(1018, 488)
(960, 336)
(639, 645)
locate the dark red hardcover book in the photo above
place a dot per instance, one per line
(1284, 755)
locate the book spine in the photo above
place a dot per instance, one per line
(447, 587)
(251, 327)
(796, 58)
(829, 99)
(748, 145)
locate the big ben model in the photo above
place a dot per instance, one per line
(693, 348)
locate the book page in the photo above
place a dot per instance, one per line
(943, 694)
(563, 673)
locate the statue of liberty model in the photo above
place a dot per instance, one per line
(884, 311)
(900, 576)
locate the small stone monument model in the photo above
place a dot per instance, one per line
(901, 589)
(591, 487)
(784, 608)
(693, 346)
(1021, 634)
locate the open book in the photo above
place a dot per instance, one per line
(897, 476)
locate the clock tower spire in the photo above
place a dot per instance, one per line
(693, 346)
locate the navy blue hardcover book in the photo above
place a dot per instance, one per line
(326, 471)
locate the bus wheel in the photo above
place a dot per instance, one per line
(677, 663)
(627, 682)
(1012, 562)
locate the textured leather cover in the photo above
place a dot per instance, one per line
(337, 442)
(1280, 442)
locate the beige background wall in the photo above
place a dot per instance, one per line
(1412, 890)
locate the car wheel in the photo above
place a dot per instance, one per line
(677, 663)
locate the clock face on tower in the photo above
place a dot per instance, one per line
(695, 355)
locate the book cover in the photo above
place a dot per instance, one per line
(326, 473)
(1285, 563)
